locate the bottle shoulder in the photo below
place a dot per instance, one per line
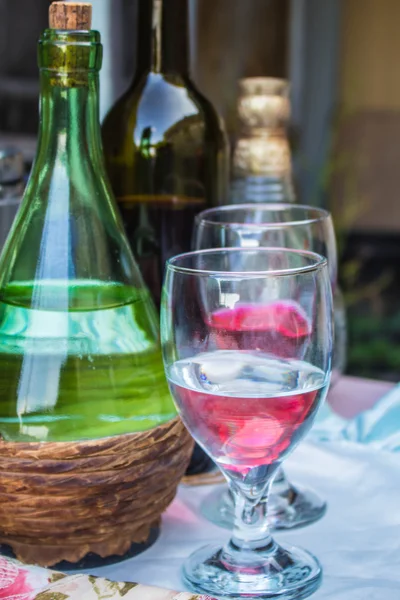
(160, 107)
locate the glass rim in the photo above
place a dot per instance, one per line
(320, 262)
(322, 215)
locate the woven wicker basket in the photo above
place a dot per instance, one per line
(60, 501)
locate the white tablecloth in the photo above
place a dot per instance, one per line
(357, 542)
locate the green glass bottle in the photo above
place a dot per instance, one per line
(79, 349)
(165, 146)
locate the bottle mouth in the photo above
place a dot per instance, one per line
(69, 51)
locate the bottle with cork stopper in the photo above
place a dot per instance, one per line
(84, 397)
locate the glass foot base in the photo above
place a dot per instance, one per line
(294, 507)
(287, 574)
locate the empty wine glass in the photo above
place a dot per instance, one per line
(248, 399)
(287, 226)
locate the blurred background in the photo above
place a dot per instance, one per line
(341, 59)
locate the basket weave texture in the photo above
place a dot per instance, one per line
(60, 501)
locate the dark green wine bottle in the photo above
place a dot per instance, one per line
(79, 347)
(166, 149)
(165, 146)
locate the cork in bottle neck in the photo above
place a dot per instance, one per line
(70, 16)
(69, 51)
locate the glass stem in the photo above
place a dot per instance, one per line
(280, 478)
(280, 482)
(251, 540)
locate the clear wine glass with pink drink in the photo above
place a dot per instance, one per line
(247, 344)
(284, 226)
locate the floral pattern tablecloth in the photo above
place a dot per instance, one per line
(21, 582)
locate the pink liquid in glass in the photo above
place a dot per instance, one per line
(280, 328)
(252, 399)
(244, 432)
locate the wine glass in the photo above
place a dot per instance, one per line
(248, 399)
(288, 226)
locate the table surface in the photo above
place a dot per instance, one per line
(351, 395)
(357, 544)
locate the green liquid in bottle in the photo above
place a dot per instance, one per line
(82, 366)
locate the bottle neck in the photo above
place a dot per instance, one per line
(162, 37)
(69, 123)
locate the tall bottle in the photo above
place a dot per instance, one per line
(262, 169)
(79, 350)
(261, 161)
(165, 146)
